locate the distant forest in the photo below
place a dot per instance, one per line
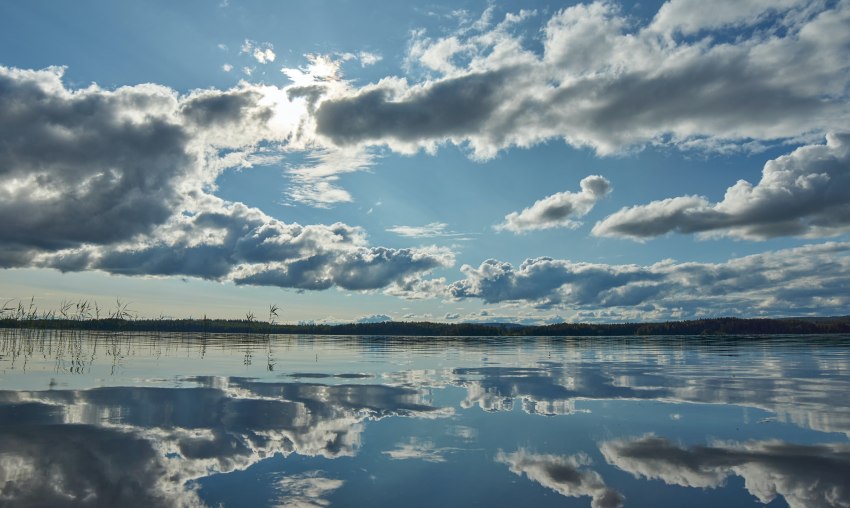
(717, 326)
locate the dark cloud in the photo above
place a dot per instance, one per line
(804, 193)
(87, 166)
(807, 476)
(567, 475)
(214, 108)
(84, 465)
(118, 181)
(604, 81)
(800, 280)
(453, 107)
(361, 269)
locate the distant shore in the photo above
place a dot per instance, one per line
(716, 326)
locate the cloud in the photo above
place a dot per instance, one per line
(605, 81)
(82, 465)
(306, 490)
(805, 193)
(807, 476)
(692, 16)
(367, 59)
(430, 230)
(56, 449)
(120, 181)
(418, 450)
(427, 231)
(566, 475)
(360, 269)
(558, 210)
(227, 67)
(809, 279)
(262, 52)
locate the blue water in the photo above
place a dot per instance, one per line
(232, 420)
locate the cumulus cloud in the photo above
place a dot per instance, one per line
(805, 193)
(558, 210)
(569, 476)
(792, 281)
(807, 476)
(120, 181)
(607, 82)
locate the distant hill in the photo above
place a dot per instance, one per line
(716, 326)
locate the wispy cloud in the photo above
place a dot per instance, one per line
(431, 230)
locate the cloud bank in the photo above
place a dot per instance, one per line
(792, 281)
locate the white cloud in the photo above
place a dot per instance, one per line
(368, 59)
(431, 230)
(807, 476)
(809, 279)
(227, 67)
(805, 193)
(558, 210)
(692, 16)
(262, 52)
(264, 56)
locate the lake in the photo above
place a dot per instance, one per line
(147, 419)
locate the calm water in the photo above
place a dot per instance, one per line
(180, 420)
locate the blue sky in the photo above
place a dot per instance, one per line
(474, 161)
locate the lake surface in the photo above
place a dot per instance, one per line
(100, 419)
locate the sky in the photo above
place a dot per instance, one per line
(472, 161)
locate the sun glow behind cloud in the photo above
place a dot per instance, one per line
(145, 160)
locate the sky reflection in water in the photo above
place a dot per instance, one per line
(178, 420)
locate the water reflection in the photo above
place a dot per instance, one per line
(569, 476)
(151, 420)
(155, 441)
(805, 476)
